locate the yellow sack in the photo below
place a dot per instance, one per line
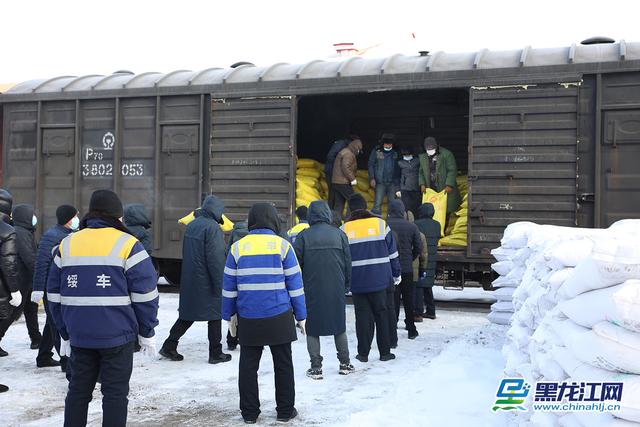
(226, 227)
(362, 173)
(454, 240)
(439, 202)
(308, 164)
(311, 173)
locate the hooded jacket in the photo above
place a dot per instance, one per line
(203, 252)
(137, 221)
(408, 235)
(346, 165)
(240, 229)
(25, 244)
(431, 230)
(325, 259)
(263, 283)
(8, 258)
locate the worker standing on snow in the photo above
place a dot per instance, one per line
(425, 305)
(303, 224)
(102, 294)
(262, 295)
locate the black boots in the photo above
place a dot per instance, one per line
(171, 354)
(220, 358)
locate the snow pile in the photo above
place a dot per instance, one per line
(576, 310)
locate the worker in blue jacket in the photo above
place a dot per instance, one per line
(67, 222)
(102, 293)
(262, 294)
(374, 268)
(384, 172)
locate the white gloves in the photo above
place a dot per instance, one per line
(398, 194)
(397, 280)
(147, 346)
(354, 182)
(16, 298)
(36, 296)
(233, 325)
(301, 325)
(65, 348)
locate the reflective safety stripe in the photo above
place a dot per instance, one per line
(229, 294)
(291, 271)
(230, 271)
(51, 297)
(235, 251)
(253, 271)
(394, 255)
(261, 286)
(284, 248)
(57, 261)
(134, 260)
(371, 261)
(117, 247)
(296, 293)
(366, 239)
(387, 230)
(95, 301)
(72, 261)
(149, 296)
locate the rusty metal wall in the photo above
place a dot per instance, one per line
(522, 160)
(251, 150)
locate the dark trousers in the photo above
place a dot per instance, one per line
(248, 380)
(50, 339)
(30, 310)
(115, 365)
(232, 341)
(181, 326)
(425, 304)
(341, 193)
(412, 201)
(392, 319)
(405, 291)
(371, 314)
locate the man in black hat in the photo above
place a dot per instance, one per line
(438, 172)
(106, 282)
(384, 172)
(68, 221)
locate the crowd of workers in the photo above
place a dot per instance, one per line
(98, 282)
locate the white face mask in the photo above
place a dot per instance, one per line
(75, 223)
(34, 221)
(431, 152)
(407, 157)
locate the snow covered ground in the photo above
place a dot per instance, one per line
(447, 376)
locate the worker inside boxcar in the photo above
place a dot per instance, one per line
(438, 171)
(384, 173)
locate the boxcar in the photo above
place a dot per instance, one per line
(544, 135)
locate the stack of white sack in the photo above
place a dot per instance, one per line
(577, 315)
(510, 256)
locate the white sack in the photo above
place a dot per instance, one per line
(502, 267)
(501, 318)
(502, 307)
(591, 307)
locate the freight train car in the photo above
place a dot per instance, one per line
(544, 135)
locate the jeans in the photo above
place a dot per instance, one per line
(180, 328)
(342, 346)
(425, 304)
(405, 290)
(382, 190)
(371, 314)
(248, 380)
(115, 365)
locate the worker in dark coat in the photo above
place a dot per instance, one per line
(438, 171)
(424, 287)
(409, 248)
(24, 222)
(10, 296)
(137, 221)
(68, 222)
(409, 191)
(203, 257)
(325, 258)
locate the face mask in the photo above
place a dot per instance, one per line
(431, 152)
(34, 221)
(388, 148)
(407, 158)
(75, 223)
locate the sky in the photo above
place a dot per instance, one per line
(43, 39)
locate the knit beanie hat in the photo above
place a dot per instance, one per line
(107, 203)
(64, 214)
(357, 203)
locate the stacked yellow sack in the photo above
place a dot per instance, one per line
(456, 232)
(310, 182)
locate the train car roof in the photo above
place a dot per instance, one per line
(337, 68)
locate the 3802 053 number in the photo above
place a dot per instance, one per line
(132, 169)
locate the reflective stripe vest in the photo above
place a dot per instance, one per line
(374, 255)
(295, 230)
(102, 288)
(262, 278)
